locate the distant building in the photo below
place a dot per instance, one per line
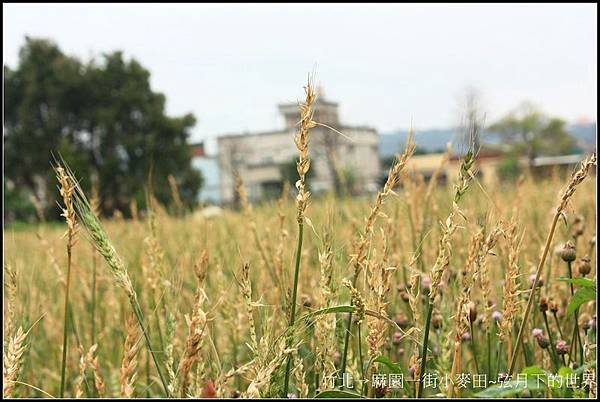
(210, 193)
(258, 157)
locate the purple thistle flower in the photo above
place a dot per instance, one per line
(537, 332)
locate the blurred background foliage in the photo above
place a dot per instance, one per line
(106, 122)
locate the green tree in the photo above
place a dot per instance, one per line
(531, 133)
(103, 118)
(508, 169)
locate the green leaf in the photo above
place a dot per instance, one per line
(533, 370)
(389, 364)
(337, 394)
(329, 310)
(583, 282)
(565, 371)
(581, 296)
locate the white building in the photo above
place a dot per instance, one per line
(258, 157)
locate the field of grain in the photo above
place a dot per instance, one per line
(201, 306)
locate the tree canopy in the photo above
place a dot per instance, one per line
(103, 118)
(530, 132)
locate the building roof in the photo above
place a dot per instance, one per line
(287, 108)
(557, 160)
(341, 128)
(198, 149)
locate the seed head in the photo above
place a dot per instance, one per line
(543, 304)
(553, 307)
(578, 227)
(397, 338)
(437, 321)
(543, 342)
(337, 358)
(472, 312)
(405, 296)
(306, 301)
(585, 321)
(585, 265)
(568, 253)
(401, 320)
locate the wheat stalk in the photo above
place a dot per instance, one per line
(302, 166)
(578, 176)
(10, 273)
(461, 317)
(129, 362)
(359, 258)
(95, 365)
(465, 176)
(246, 289)
(103, 244)
(81, 378)
(67, 189)
(12, 361)
(325, 324)
(197, 325)
(175, 194)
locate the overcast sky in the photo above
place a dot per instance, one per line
(386, 65)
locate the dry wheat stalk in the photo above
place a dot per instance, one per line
(279, 251)
(325, 324)
(461, 317)
(10, 283)
(67, 190)
(81, 377)
(246, 289)
(264, 370)
(356, 300)
(359, 257)
(175, 193)
(510, 298)
(379, 287)
(465, 176)
(300, 376)
(482, 266)
(153, 263)
(379, 284)
(12, 361)
(301, 140)
(95, 365)
(247, 209)
(129, 362)
(169, 347)
(578, 176)
(133, 209)
(197, 325)
(413, 295)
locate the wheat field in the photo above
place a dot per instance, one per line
(421, 290)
